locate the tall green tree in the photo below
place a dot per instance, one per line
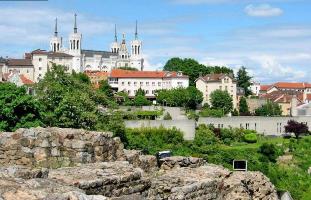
(18, 109)
(221, 100)
(193, 68)
(243, 80)
(106, 88)
(269, 109)
(243, 107)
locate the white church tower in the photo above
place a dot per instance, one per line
(115, 45)
(136, 56)
(75, 47)
(56, 41)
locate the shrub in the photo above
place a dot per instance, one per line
(204, 136)
(191, 114)
(269, 151)
(167, 116)
(250, 138)
(211, 113)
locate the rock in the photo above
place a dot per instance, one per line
(43, 147)
(147, 163)
(180, 161)
(39, 189)
(111, 179)
(23, 172)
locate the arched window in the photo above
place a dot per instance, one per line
(54, 49)
(78, 46)
(58, 47)
(138, 50)
(122, 56)
(135, 49)
(74, 44)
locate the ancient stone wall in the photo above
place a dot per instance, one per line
(55, 147)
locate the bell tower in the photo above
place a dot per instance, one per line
(56, 41)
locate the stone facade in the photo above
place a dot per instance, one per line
(100, 169)
(53, 147)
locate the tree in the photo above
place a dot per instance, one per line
(194, 97)
(18, 109)
(193, 68)
(204, 136)
(296, 128)
(106, 88)
(269, 109)
(221, 100)
(243, 107)
(243, 80)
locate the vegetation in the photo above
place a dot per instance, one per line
(129, 68)
(18, 109)
(296, 128)
(243, 107)
(167, 116)
(243, 81)
(184, 97)
(269, 109)
(207, 112)
(192, 68)
(221, 100)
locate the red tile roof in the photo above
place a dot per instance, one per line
(118, 73)
(96, 73)
(19, 62)
(215, 77)
(265, 87)
(282, 96)
(25, 80)
(290, 85)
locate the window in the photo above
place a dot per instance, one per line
(129, 83)
(159, 83)
(27, 70)
(141, 83)
(153, 91)
(40, 68)
(135, 83)
(147, 83)
(129, 91)
(122, 83)
(179, 84)
(40, 59)
(153, 83)
(147, 91)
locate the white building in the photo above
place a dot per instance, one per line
(255, 88)
(149, 81)
(97, 60)
(212, 82)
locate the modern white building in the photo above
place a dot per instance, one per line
(211, 82)
(149, 81)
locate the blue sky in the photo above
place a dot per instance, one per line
(271, 38)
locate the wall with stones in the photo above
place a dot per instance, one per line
(55, 147)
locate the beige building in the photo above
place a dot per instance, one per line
(21, 66)
(211, 82)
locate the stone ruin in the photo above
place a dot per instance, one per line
(71, 164)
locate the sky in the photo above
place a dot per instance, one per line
(271, 38)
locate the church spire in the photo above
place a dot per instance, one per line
(115, 33)
(75, 29)
(136, 33)
(55, 32)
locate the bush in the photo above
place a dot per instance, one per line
(269, 151)
(211, 113)
(204, 136)
(191, 114)
(167, 116)
(250, 138)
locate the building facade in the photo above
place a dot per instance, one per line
(211, 82)
(149, 81)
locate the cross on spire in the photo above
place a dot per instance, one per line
(75, 29)
(55, 31)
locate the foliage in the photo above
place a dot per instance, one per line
(296, 128)
(140, 92)
(141, 100)
(106, 88)
(191, 114)
(243, 81)
(204, 136)
(269, 151)
(250, 138)
(184, 97)
(211, 113)
(82, 77)
(192, 68)
(128, 68)
(243, 107)
(18, 109)
(235, 112)
(221, 100)
(152, 140)
(269, 109)
(167, 116)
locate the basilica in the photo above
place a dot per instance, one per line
(97, 60)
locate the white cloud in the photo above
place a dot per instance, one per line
(262, 10)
